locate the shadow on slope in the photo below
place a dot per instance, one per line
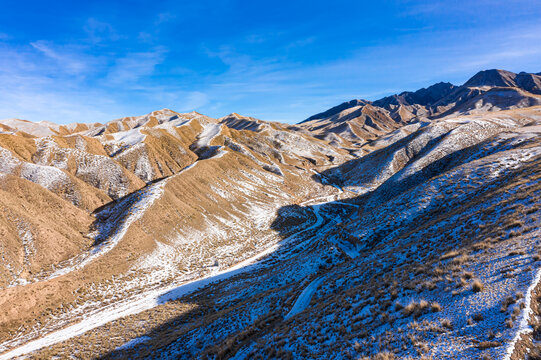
(290, 221)
(299, 227)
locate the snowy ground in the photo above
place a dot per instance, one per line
(150, 299)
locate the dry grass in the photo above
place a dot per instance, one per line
(488, 344)
(535, 353)
(508, 301)
(477, 286)
(386, 355)
(517, 252)
(416, 308)
(446, 323)
(449, 255)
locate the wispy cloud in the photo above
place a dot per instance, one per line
(99, 31)
(43, 81)
(67, 60)
(301, 42)
(164, 18)
(130, 69)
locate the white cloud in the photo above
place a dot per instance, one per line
(99, 31)
(67, 60)
(164, 18)
(130, 69)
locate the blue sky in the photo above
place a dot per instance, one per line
(67, 61)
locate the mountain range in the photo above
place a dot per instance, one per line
(360, 121)
(406, 227)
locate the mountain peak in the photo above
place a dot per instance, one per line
(492, 77)
(335, 110)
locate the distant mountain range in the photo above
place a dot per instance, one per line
(359, 121)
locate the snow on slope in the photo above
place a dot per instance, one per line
(210, 131)
(524, 326)
(123, 140)
(47, 176)
(304, 298)
(99, 171)
(39, 129)
(142, 302)
(119, 218)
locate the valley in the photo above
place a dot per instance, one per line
(406, 227)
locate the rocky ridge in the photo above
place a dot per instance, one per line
(404, 227)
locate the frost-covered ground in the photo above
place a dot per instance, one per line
(394, 273)
(428, 246)
(184, 258)
(150, 299)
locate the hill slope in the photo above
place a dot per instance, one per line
(176, 235)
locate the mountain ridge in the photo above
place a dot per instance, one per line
(406, 230)
(486, 90)
(492, 77)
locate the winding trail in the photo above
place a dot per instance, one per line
(305, 296)
(154, 297)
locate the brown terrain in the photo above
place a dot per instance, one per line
(406, 227)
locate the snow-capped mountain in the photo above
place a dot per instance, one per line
(407, 227)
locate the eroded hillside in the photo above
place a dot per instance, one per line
(181, 236)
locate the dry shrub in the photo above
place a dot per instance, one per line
(415, 308)
(508, 301)
(446, 323)
(482, 245)
(488, 344)
(477, 286)
(449, 255)
(385, 355)
(461, 259)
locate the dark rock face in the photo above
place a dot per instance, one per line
(492, 77)
(529, 82)
(424, 96)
